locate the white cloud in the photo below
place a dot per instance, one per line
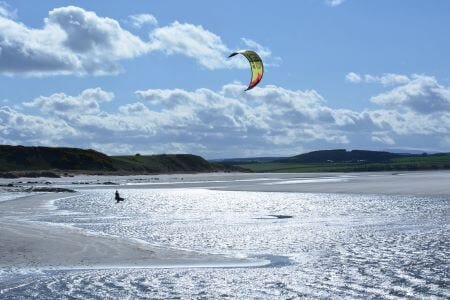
(193, 41)
(202, 121)
(261, 50)
(87, 102)
(264, 52)
(353, 77)
(386, 79)
(6, 11)
(76, 41)
(204, 46)
(87, 33)
(267, 120)
(142, 19)
(72, 41)
(422, 94)
(18, 128)
(334, 2)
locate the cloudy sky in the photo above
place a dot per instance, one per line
(153, 76)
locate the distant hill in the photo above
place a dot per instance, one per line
(168, 163)
(341, 155)
(246, 160)
(21, 158)
(26, 159)
(341, 160)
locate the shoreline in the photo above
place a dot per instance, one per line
(431, 183)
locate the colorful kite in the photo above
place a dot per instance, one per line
(256, 66)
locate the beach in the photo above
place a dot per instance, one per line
(236, 234)
(388, 183)
(31, 244)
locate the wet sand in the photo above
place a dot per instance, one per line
(25, 243)
(29, 244)
(389, 183)
(409, 183)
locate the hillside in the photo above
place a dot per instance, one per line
(340, 156)
(341, 160)
(29, 159)
(167, 163)
(20, 158)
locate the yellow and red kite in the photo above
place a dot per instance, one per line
(256, 66)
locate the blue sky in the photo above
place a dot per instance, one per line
(152, 76)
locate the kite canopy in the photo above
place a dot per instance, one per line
(256, 66)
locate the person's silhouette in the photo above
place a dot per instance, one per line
(117, 197)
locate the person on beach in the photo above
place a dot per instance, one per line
(118, 198)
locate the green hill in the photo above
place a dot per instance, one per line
(341, 160)
(20, 158)
(167, 163)
(341, 155)
(26, 159)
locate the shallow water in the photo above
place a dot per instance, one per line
(334, 245)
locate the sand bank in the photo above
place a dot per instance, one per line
(429, 183)
(391, 183)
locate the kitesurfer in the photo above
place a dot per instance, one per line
(117, 197)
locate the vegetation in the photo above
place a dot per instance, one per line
(353, 161)
(20, 158)
(341, 156)
(167, 163)
(19, 161)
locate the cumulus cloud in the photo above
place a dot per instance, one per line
(422, 94)
(193, 41)
(87, 33)
(87, 102)
(201, 121)
(18, 128)
(224, 123)
(76, 41)
(141, 19)
(72, 40)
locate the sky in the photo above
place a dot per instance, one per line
(150, 77)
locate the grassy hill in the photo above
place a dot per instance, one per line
(38, 159)
(167, 163)
(341, 156)
(20, 158)
(26, 159)
(353, 161)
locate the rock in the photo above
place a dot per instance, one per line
(52, 190)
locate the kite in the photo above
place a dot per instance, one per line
(256, 66)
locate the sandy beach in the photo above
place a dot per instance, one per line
(387, 183)
(26, 243)
(30, 244)
(269, 235)
(391, 183)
